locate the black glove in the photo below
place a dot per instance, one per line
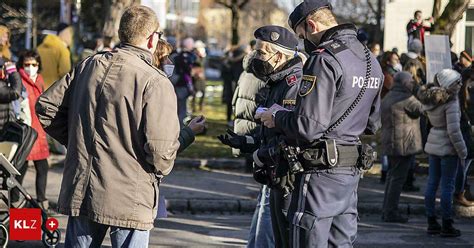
(260, 175)
(246, 144)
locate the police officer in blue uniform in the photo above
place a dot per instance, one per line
(278, 63)
(338, 100)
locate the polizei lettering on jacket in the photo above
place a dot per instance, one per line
(374, 83)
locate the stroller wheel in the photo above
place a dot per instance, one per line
(53, 239)
(3, 236)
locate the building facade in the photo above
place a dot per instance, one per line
(399, 12)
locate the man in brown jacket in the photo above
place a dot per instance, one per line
(117, 115)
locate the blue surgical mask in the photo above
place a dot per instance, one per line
(168, 69)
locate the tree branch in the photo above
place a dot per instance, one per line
(453, 12)
(436, 9)
(224, 3)
(242, 4)
(371, 7)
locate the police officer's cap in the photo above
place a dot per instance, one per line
(304, 9)
(277, 35)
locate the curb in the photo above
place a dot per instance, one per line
(211, 205)
(248, 206)
(213, 163)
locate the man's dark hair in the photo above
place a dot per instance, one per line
(28, 54)
(253, 43)
(417, 12)
(61, 26)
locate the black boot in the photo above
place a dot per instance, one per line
(448, 230)
(433, 226)
(383, 177)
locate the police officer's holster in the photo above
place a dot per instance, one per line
(326, 155)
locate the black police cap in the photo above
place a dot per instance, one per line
(277, 35)
(304, 9)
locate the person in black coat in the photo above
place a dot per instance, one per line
(10, 90)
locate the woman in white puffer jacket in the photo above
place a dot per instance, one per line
(446, 148)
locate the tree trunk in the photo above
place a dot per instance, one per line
(453, 12)
(112, 16)
(378, 35)
(235, 25)
(436, 9)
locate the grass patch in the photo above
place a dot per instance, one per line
(208, 146)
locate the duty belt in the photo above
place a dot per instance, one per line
(317, 158)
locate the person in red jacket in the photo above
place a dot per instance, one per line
(29, 65)
(416, 28)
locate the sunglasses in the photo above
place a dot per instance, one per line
(160, 34)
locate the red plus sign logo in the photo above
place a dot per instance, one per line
(52, 224)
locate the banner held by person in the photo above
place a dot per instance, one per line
(438, 55)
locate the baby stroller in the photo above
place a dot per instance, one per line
(16, 141)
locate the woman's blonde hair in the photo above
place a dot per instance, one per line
(288, 53)
(5, 50)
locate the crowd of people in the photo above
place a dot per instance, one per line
(431, 117)
(270, 93)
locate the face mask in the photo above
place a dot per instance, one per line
(262, 68)
(168, 69)
(398, 67)
(31, 70)
(309, 46)
(311, 43)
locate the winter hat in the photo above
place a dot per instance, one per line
(467, 54)
(447, 77)
(415, 46)
(405, 79)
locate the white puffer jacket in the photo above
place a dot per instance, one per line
(445, 138)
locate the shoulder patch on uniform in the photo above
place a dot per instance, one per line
(307, 85)
(291, 79)
(336, 47)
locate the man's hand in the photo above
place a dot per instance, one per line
(198, 124)
(266, 117)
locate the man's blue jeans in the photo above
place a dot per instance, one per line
(82, 233)
(261, 232)
(461, 177)
(442, 169)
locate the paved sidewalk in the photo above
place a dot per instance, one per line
(204, 190)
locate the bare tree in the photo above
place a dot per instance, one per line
(452, 13)
(235, 7)
(436, 9)
(378, 12)
(113, 14)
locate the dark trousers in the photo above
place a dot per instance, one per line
(323, 210)
(396, 177)
(279, 210)
(41, 167)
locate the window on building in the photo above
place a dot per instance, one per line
(469, 29)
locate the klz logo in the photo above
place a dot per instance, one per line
(25, 224)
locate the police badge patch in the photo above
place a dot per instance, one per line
(307, 85)
(274, 36)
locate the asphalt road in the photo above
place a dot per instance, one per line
(185, 230)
